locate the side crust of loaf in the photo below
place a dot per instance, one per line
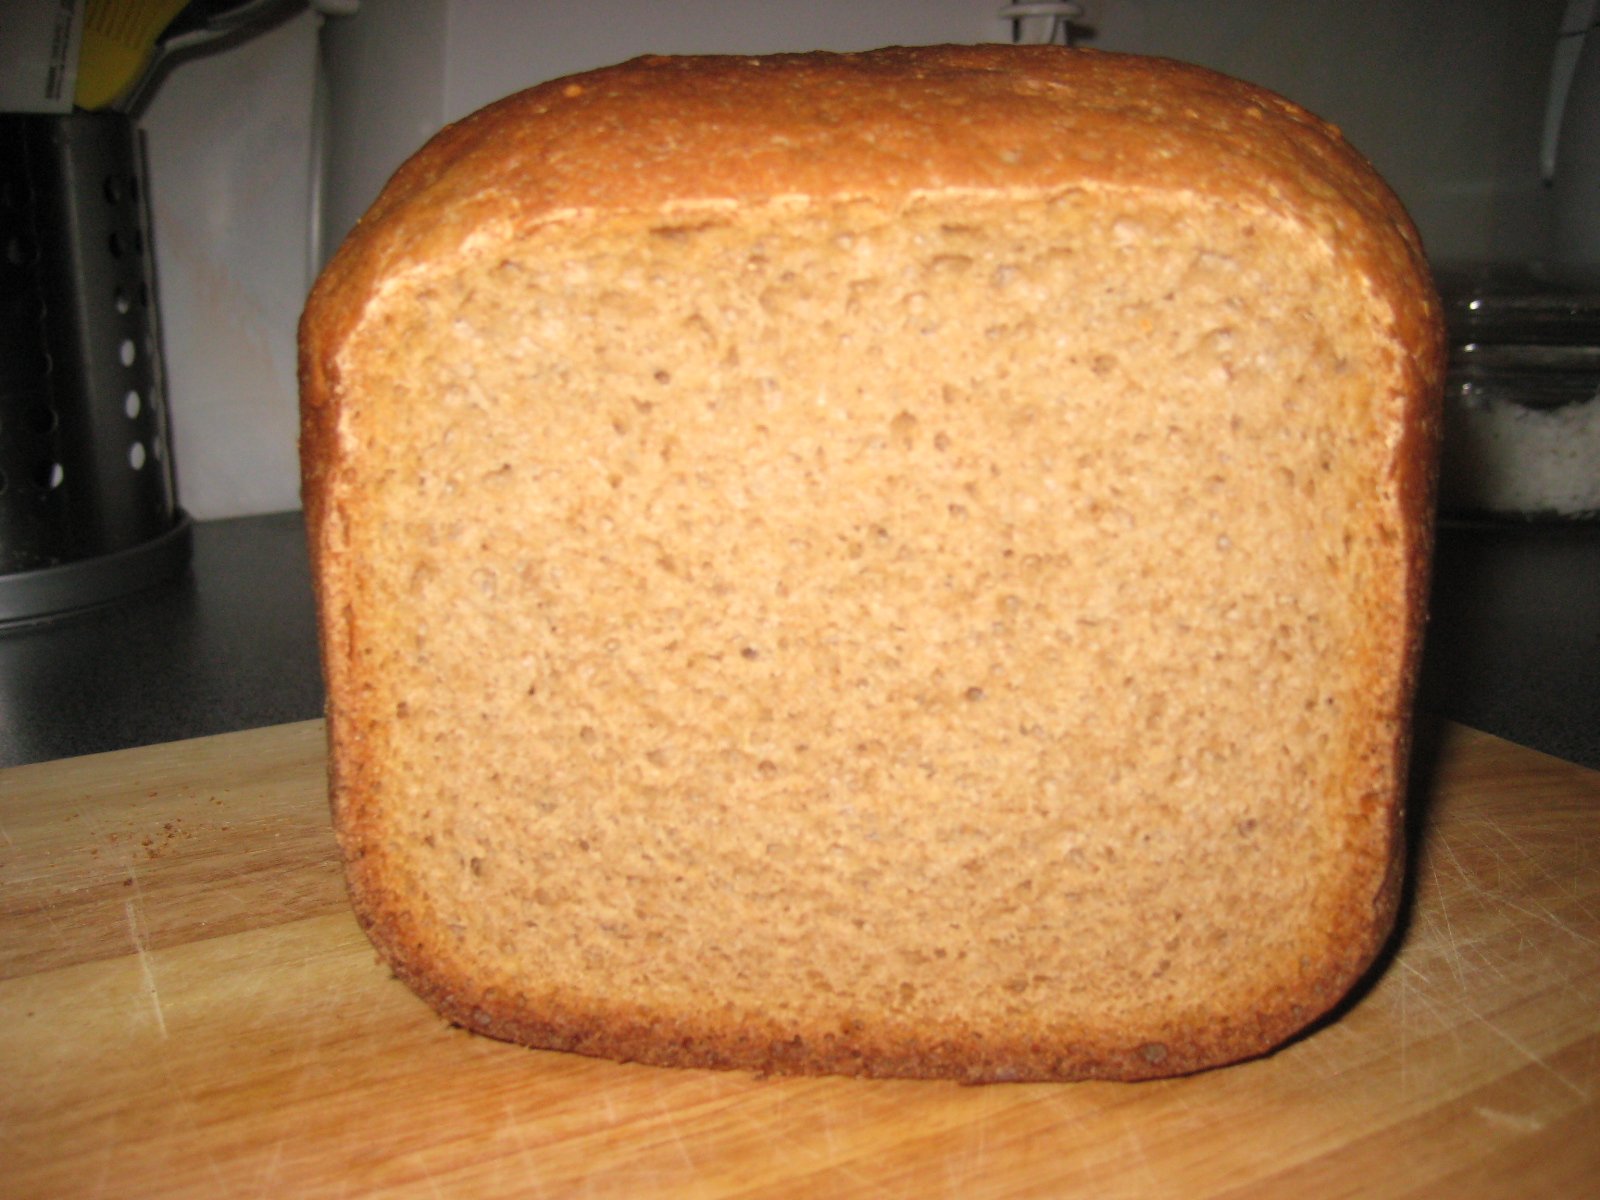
(709, 157)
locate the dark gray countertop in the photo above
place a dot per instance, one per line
(1514, 634)
(229, 645)
(1513, 645)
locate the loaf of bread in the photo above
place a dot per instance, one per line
(904, 564)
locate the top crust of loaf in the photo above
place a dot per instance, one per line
(657, 135)
(659, 132)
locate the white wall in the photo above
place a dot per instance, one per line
(1445, 96)
(465, 53)
(226, 140)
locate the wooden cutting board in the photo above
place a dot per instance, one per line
(187, 1008)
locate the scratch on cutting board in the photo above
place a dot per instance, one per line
(1534, 1058)
(1441, 1015)
(1417, 1005)
(1404, 989)
(431, 1180)
(511, 1125)
(1543, 913)
(134, 910)
(266, 1172)
(1508, 855)
(679, 1143)
(1519, 1122)
(1138, 1166)
(1448, 945)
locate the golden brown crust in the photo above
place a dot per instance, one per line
(658, 132)
(766, 1047)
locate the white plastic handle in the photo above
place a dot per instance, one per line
(1580, 18)
(1060, 18)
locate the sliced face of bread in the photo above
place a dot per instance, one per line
(902, 564)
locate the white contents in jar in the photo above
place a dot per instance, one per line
(1503, 457)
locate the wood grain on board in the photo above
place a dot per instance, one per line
(187, 1008)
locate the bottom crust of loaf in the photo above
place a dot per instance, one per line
(972, 1059)
(856, 1048)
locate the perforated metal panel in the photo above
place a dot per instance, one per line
(88, 505)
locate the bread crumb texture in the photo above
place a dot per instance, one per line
(921, 632)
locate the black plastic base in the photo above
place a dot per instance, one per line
(50, 592)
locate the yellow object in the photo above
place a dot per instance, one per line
(118, 36)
